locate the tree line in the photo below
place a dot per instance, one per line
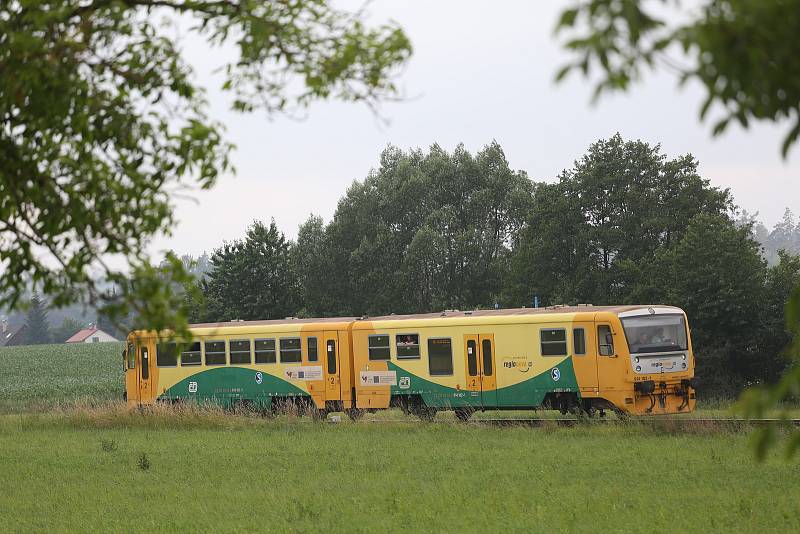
(434, 230)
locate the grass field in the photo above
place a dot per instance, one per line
(73, 458)
(38, 376)
(206, 471)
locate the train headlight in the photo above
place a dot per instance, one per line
(684, 365)
(636, 359)
(683, 356)
(638, 368)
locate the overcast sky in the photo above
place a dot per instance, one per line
(480, 71)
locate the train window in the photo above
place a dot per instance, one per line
(554, 341)
(290, 350)
(311, 349)
(124, 360)
(240, 351)
(145, 364)
(131, 356)
(486, 348)
(379, 347)
(331, 357)
(190, 354)
(579, 341)
(407, 346)
(265, 351)
(440, 356)
(167, 355)
(472, 358)
(605, 340)
(215, 353)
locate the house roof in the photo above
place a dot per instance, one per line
(81, 335)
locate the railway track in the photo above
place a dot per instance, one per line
(731, 423)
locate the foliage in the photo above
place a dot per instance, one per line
(785, 235)
(37, 328)
(66, 329)
(741, 51)
(102, 123)
(422, 232)
(253, 278)
(592, 236)
(412, 488)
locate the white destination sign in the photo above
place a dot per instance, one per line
(378, 378)
(303, 372)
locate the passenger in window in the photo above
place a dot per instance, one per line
(643, 338)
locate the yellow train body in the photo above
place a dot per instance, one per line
(635, 360)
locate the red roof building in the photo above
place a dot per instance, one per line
(91, 335)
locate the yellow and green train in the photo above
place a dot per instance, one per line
(634, 360)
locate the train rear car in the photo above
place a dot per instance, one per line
(305, 362)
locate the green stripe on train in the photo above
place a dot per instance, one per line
(526, 394)
(226, 385)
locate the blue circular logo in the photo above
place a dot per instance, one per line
(556, 374)
(259, 377)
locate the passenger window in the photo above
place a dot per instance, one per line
(407, 346)
(487, 357)
(240, 351)
(379, 347)
(145, 364)
(167, 355)
(440, 356)
(472, 358)
(215, 353)
(290, 350)
(191, 354)
(579, 341)
(605, 340)
(265, 351)
(554, 341)
(331, 357)
(311, 349)
(131, 356)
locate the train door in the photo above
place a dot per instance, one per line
(584, 356)
(481, 372)
(610, 367)
(131, 373)
(145, 371)
(333, 383)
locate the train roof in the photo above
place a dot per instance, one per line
(506, 312)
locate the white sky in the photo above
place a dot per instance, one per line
(481, 70)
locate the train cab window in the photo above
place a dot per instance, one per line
(486, 349)
(131, 356)
(379, 347)
(311, 349)
(440, 356)
(605, 340)
(145, 364)
(167, 354)
(265, 351)
(554, 341)
(290, 350)
(331, 357)
(124, 360)
(407, 346)
(240, 351)
(215, 353)
(190, 354)
(579, 341)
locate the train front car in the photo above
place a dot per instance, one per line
(657, 357)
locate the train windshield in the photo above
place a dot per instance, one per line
(655, 333)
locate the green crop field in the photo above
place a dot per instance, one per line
(41, 375)
(107, 469)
